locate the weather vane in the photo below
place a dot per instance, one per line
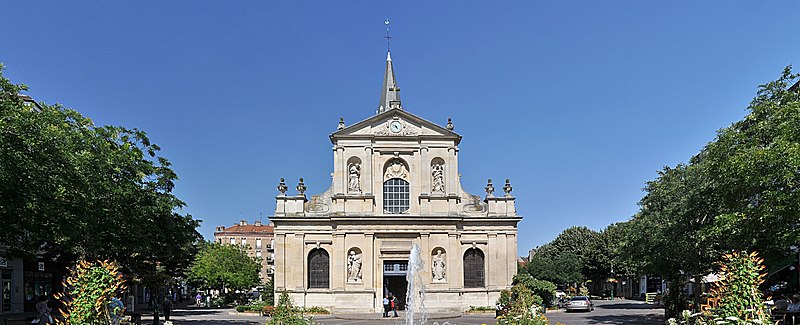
(387, 37)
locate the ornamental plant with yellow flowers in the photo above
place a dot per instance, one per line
(90, 288)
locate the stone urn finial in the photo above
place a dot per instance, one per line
(301, 188)
(341, 123)
(282, 187)
(489, 188)
(449, 124)
(507, 188)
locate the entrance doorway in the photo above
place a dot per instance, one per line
(394, 281)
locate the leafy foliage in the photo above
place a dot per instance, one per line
(739, 193)
(740, 301)
(563, 260)
(70, 189)
(544, 291)
(286, 314)
(91, 286)
(522, 308)
(737, 290)
(220, 267)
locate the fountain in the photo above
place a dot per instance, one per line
(415, 295)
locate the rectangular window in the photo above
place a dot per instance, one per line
(233, 241)
(258, 254)
(258, 242)
(244, 241)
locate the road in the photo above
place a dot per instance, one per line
(617, 312)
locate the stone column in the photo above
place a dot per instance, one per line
(280, 262)
(455, 261)
(425, 250)
(367, 179)
(494, 266)
(338, 262)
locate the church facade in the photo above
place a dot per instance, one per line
(396, 184)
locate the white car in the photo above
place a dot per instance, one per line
(580, 303)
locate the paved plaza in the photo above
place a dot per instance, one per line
(618, 312)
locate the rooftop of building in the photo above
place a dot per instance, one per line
(244, 228)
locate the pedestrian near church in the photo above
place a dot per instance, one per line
(385, 305)
(394, 305)
(43, 311)
(166, 306)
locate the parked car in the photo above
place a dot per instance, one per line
(580, 303)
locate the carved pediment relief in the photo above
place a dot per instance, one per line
(318, 204)
(474, 205)
(395, 168)
(396, 127)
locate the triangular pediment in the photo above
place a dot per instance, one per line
(395, 123)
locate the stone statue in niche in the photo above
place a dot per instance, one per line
(354, 178)
(438, 266)
(354, 267)
(437, 181)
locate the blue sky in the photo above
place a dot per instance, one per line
(578, 103)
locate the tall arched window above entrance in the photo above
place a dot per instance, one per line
(318, 269)
(473, 269)
(395, 196)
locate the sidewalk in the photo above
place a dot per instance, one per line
(378, 316)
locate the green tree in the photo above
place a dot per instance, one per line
(544, 290)
(739, 193)
(563, 260)
(221, 267)
(70, 189)
(754, 165)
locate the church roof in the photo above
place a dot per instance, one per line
(390, 92)
(388, 114)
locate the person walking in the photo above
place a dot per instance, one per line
(198, 298)
(394, 305)
(43, 311)
(166, 306)
(385, 305)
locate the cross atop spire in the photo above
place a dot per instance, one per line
(390, 93)
(388, 37)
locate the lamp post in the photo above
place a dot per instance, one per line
(613, 284)
(796, 251)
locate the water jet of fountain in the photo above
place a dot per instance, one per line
(415, 295)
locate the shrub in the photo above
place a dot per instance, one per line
(285, 313)
(740, 301)
(90, 288)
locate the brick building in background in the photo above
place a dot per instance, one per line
(259, 241)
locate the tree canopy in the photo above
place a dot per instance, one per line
(218, 266)
(71, 189)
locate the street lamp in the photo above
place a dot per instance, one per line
(796, 250)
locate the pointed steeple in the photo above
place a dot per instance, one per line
(390, 94)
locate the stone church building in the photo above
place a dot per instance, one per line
(395, 183)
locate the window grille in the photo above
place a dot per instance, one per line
(473, 269)
(395, 196)
(318, 269)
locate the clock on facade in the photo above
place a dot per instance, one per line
(395, 126)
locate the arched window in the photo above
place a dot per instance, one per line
(318, 269)
(473, 269)
(395, 196)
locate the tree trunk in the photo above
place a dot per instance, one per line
(696, 288)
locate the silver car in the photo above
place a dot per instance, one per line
(580, 303)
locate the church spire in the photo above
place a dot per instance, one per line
(390, 93)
